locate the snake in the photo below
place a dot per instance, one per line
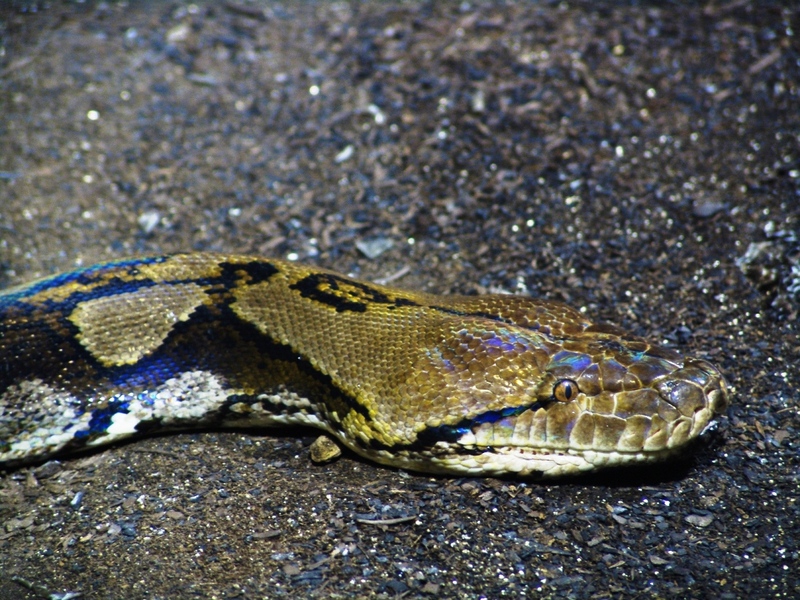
(483, 385)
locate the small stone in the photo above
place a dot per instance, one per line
(148, 220)
(706, 208)
(375, 247)
(430, 588)
(344, 154)
(179, 33)
(699, 520)
(265, 535)
(291, 570)
(324, 450)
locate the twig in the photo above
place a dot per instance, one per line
(388, 521)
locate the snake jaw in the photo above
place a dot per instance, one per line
(638, 406)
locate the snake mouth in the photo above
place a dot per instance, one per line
(522, 461)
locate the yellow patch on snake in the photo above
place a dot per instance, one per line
(147, 315)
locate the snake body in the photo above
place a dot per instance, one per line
(481, 385)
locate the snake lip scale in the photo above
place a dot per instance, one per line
(478, 385)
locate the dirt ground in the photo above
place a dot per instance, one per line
(641, 162)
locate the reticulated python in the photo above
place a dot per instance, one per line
(471, 385)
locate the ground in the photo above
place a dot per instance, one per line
(638, 161)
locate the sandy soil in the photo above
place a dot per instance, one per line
(640, 162)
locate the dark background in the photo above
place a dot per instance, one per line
(640, 161)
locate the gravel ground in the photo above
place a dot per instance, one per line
(640, 162)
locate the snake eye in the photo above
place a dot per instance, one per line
(565, 390)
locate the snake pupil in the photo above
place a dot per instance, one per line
(565, 390)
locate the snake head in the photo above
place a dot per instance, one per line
(618, 400)
(534, 401)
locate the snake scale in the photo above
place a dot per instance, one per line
(476, 385)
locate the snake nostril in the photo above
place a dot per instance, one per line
(718, 399)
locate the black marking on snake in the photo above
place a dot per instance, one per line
(23, 335)
(225, 415)
(398, 302)
(428, 437)
(234, 275)
(117, 283)
(266, 405)
(258, 271)
(101, 419)
(483, 315)
(228, 341)
(342, 296)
